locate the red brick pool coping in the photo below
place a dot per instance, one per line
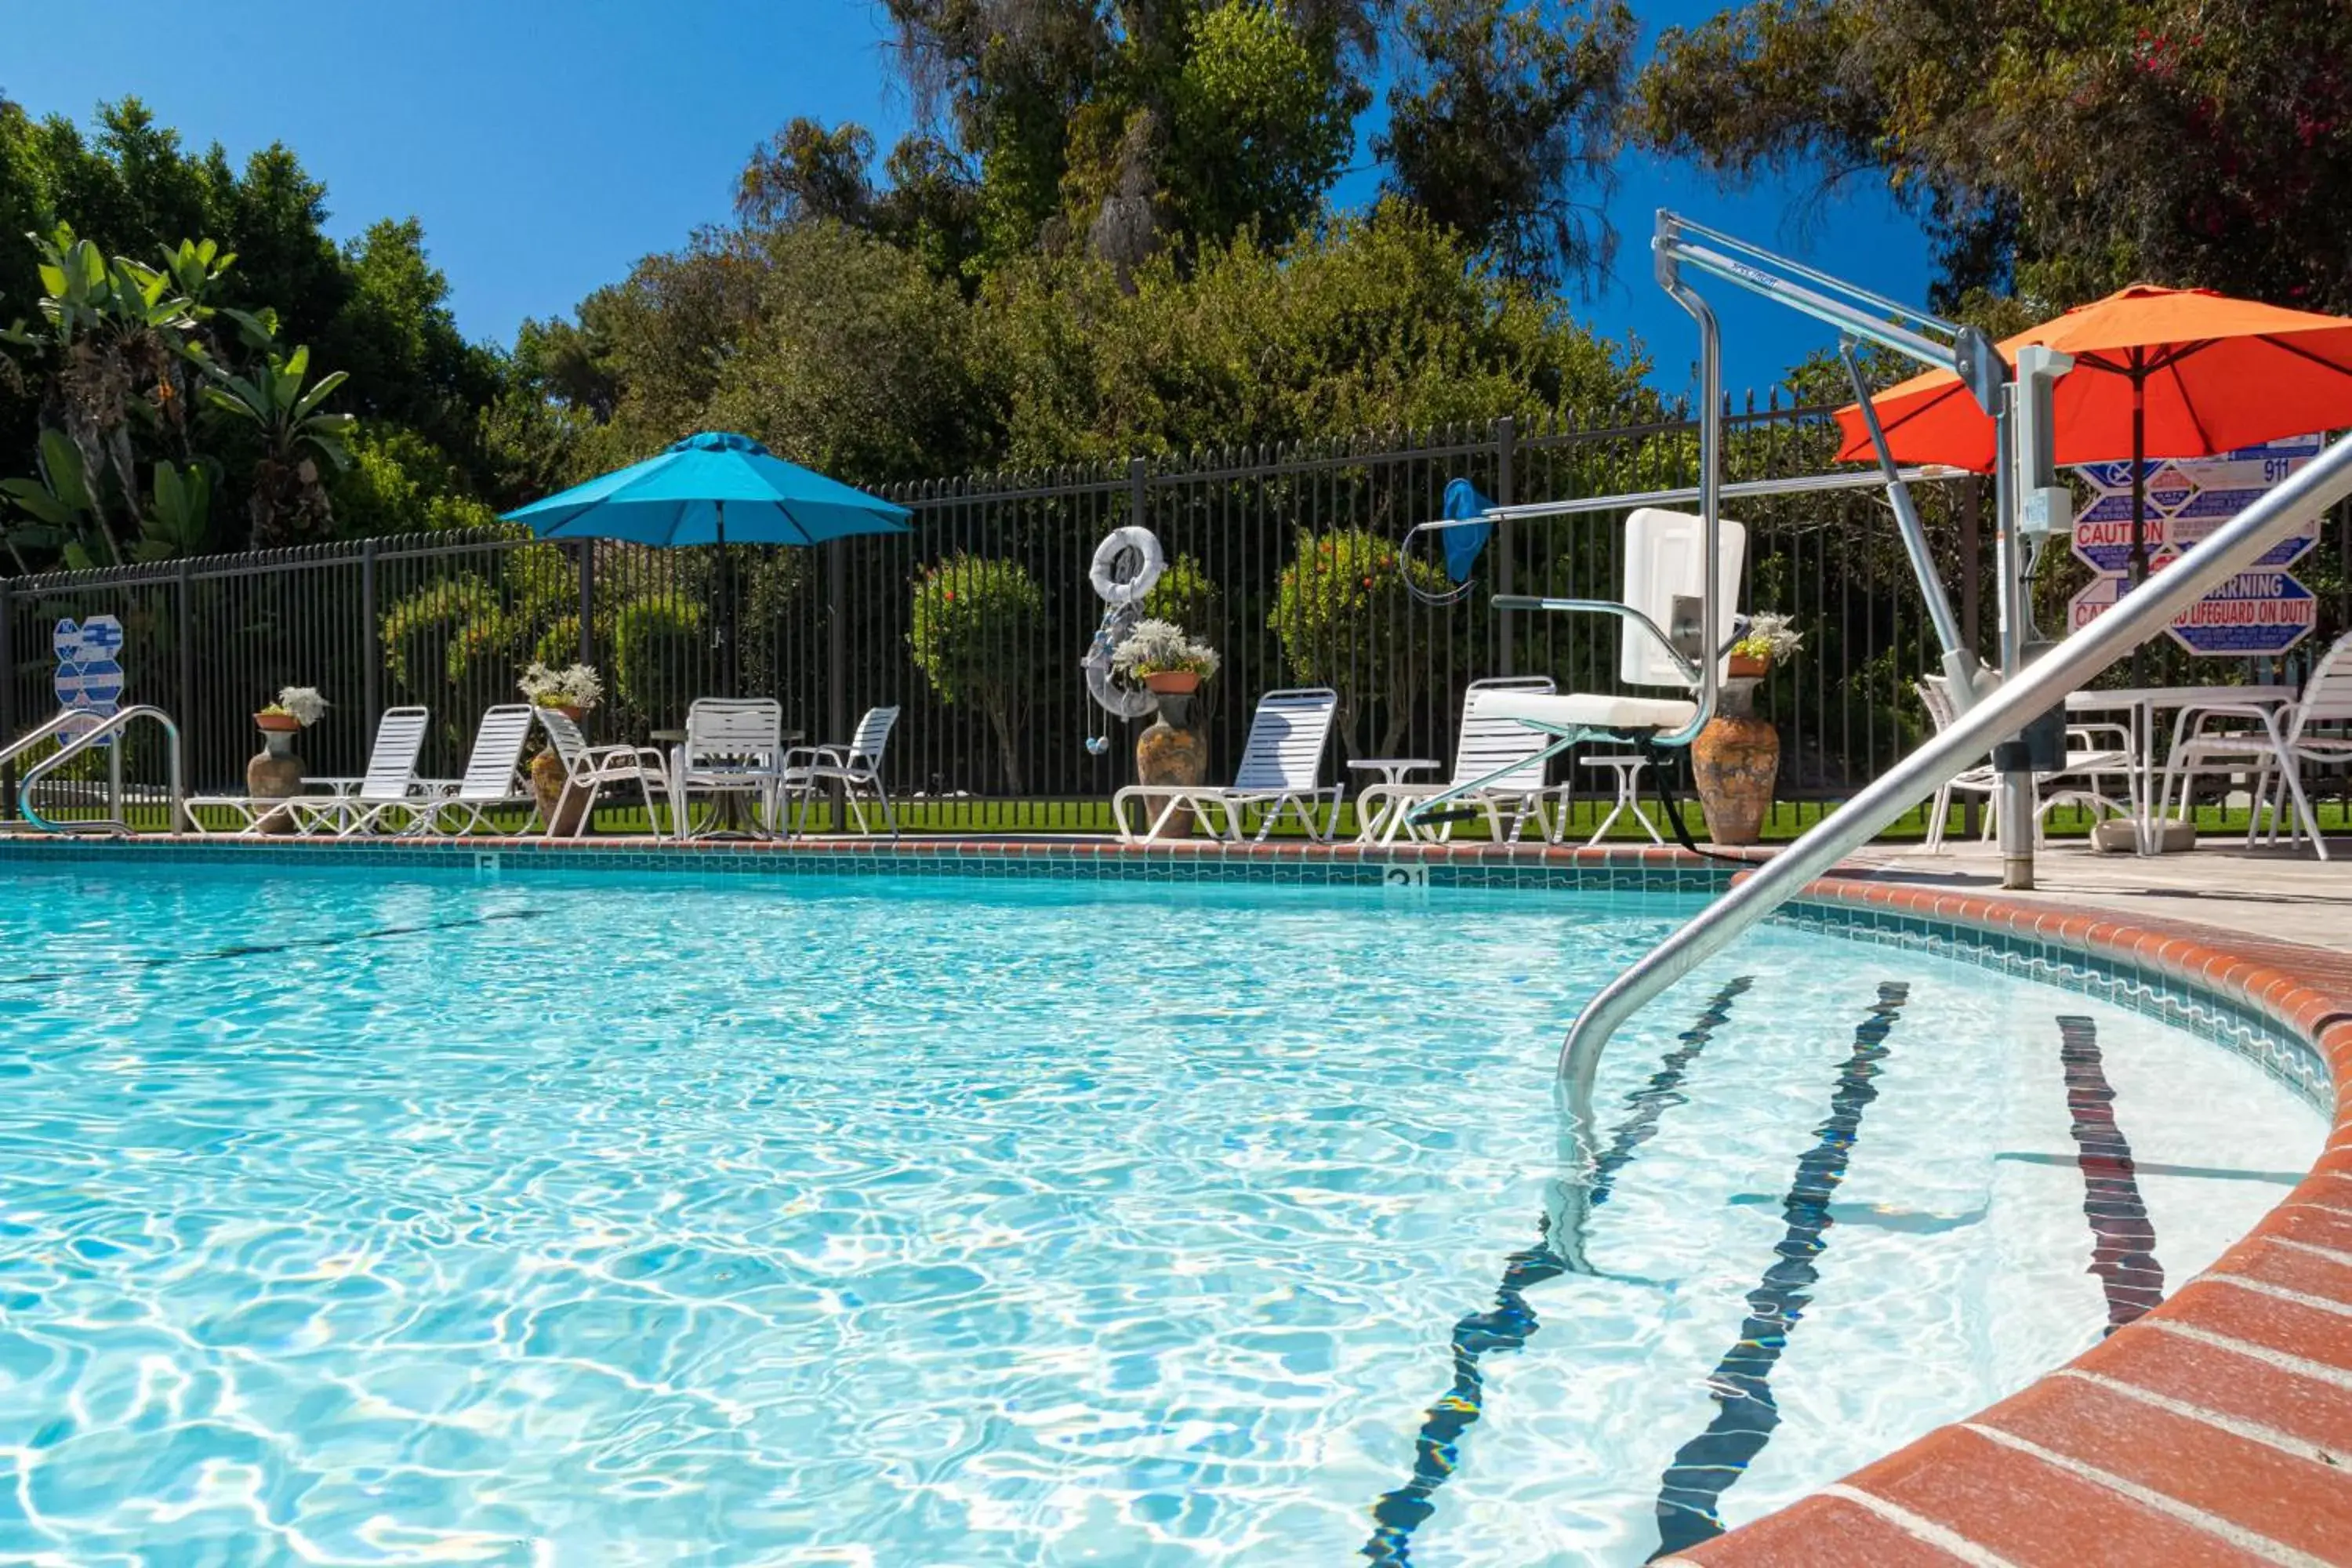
(2216, 1429)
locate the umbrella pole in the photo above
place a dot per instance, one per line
(726, 612)
(2139, 501)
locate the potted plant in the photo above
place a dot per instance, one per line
(1172, 664)
(572, 691)
(275, 773)
(1161, 655)
(1736, 758)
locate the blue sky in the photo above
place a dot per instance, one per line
(547, 144)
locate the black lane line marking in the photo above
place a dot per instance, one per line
(2154, 1168)
(1706, 1467)
(261, 949)
(1507, 1327)
(2123, 1239)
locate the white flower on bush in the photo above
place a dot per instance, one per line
(575, 686)
(1155, 648)
(301, 704)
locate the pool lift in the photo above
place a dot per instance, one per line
(2018, 714)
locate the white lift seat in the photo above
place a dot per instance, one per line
(1576, 713)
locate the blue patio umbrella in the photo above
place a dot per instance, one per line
(714, 488)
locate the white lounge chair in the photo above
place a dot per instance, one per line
(390, 782)
(1498, 755)
(2095, 755)
(594, 769)
(2271, 746)
(493, 778)
(1281, 764)
(733, 746)
(856, 766)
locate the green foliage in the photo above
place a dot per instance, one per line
(655, 651)
(2055, 150)
(127, 188)
(434, 635)
(1346, 621)
(1506, 128)
(179, 514)
(287, 501)
(1185, 595)
(979, 634)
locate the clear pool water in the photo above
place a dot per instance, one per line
(350, 1219)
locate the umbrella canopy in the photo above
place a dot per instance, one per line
(2159, 372)
(712, 488)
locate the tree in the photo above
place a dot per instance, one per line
(1506, 128)
(287, 499)
(376, 307)
(2054, 150)
(1115, 126)
(978, 636)
(1348, 621)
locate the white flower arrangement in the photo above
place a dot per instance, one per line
(1770, 637)
(575, 686)
(1156, 648)
(301, 704)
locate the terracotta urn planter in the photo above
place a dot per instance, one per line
(1736, 761)
(1173, 682)
(547, 777)
(275, 773)
(1174, 750)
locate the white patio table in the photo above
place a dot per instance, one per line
(2142, 704)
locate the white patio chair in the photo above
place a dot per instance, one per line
(1505, 753)
(390, 783)
(2272, 745)
(592, 769)
(493, 778)
(1281, 764)
(856, 766)
(733, 746)
(2096, 754)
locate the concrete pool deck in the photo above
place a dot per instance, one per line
(2216, 1429)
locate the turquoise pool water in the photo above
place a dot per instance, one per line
(347, 1218)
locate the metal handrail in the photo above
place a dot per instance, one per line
(64, 719)
(112, 724)
(2141, 614)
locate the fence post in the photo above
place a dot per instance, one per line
(183, 583)
(837, 644)
(1506, 448)
(587, 602)
(371, 655)
(7, 694)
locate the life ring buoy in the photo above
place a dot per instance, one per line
(1141, 542)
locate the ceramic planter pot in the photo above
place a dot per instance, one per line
(1734, 763)
(547, 775)
(1173, 682)
(1173, 750)
(275, 773)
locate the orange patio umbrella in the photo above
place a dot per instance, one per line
(2159, 372)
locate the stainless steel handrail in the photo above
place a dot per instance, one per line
(2142, 613)
(66, 719)
(112, 724)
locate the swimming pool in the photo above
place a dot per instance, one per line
(383, 1217)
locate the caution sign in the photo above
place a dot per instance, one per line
(2259, 612)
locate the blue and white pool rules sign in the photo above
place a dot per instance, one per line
(2262, 611)
(89, 665)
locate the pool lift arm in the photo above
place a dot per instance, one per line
(2029, 504)
(1860, 316)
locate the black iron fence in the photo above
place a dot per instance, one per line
(975, 623)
